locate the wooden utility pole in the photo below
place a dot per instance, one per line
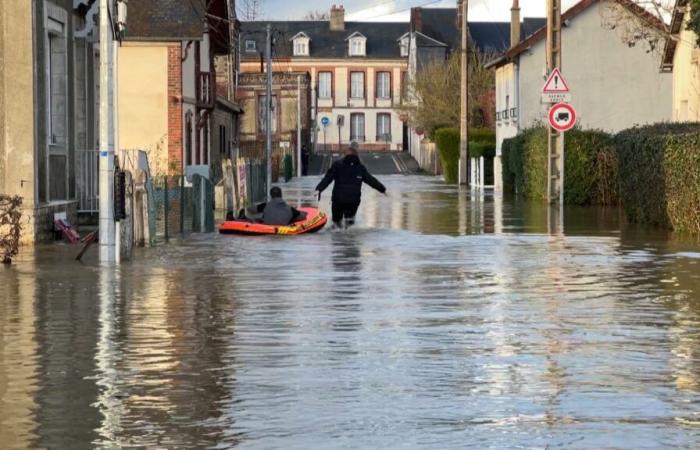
(268, 111)
(464, 115)
(555, 170)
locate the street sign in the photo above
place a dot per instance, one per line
(556, 89)
(562, 117)
(325, 121)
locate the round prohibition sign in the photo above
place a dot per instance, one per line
(562, 117)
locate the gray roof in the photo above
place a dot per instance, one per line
(382, 38)
(165, 19)
(441, 25)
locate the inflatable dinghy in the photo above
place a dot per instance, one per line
(314, 221)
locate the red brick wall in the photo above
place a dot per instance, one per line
(175, 109)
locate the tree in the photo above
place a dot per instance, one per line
(694, 22)
(316, 16)
(433, 93)
(643, 22)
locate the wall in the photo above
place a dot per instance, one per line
(143, 101)
(686, 77)
(613, 86)
(17, 138)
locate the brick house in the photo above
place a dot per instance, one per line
(177, 74)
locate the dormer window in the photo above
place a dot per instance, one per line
(404, 45)
(301, 44)
(357, 45)
(250, 45)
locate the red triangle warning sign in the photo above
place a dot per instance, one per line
(555, 84)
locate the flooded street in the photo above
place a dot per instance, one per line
(441, 321)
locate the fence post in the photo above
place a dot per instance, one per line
(165, 206)
(182, 205)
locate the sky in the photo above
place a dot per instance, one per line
(398, 10)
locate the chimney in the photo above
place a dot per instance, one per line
(337, 21)
(417, 19)
(515, 24)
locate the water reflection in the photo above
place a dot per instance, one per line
(445, 319)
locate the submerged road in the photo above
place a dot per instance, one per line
(443, 321)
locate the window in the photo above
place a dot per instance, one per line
(383, 127)
(250, 45)
(404, 85)
(222, 140)
(188, 139)
(357, 85)
(357, 127)
(325, 85)
(205, 143)
(357, 46)
(262, 118)
(383, 85)
(404, 47)
(301, 47)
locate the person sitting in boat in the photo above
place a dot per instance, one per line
(274, 212)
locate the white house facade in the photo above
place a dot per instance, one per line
(614, 84)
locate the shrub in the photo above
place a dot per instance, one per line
(590, 165)
(659, 170)
(10, 227)
(447, 140)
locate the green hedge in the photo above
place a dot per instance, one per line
(659, 168)
(590, 166)
(447, 141)
(482, 142)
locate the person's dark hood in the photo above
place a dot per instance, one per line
(351, 160)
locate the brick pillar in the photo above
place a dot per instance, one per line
(175, 147)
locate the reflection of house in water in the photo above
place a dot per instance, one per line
(18, 359)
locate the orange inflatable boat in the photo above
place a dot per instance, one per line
(314, 221)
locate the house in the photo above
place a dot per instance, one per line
(682, 58)
(291, 92)
(357, 73)
(176, 85)
(610, 59)
(435, 34)
(48, 108)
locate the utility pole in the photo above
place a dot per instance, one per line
(106, 208)
(299, 126)
(268, 112)
(555, 166)
(464, 116)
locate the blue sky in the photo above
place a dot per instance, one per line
(479, 10)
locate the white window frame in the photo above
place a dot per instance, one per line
(251, 48)
(384, 88)
(383, 126)
(404, 46)
(357, 46)
(355, 123)
(357, 88)
(325, 91)
(301, 45)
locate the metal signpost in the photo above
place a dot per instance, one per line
(325, 122)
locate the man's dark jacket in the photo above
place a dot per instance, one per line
(349, 174)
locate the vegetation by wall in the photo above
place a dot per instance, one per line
(653, 172)
(482, 142)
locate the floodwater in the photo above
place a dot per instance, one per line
(440, 322)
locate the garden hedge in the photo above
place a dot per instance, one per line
(590, 166)
(482, 142)
(659, 168)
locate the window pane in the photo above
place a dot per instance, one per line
(324, 85)
(358, 85)
(383, 85)
(357, 127)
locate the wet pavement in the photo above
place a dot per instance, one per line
(441, 321)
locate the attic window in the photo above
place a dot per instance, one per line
(357, 46)
(404, 47)
(250, 45)
(301, 44)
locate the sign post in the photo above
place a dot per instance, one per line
(325, 121)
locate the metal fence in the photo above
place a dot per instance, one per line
(88, 181)
(179, 207)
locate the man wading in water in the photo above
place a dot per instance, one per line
(349, 174)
